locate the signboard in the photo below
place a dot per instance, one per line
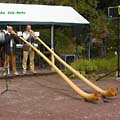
(114, 12)
(19, 33)
(37, 34)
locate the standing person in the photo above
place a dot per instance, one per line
(2, 37)
(2, 43)
(28, 51)
(88, 44)
(104, 36)
(9, 48)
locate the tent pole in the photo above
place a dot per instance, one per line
(52, 43)
(118, 47)
(118, 42)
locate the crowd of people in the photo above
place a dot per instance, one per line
(8, 41)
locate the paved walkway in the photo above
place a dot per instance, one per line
(48, 97)
(40, 71)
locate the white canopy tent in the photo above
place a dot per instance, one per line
(39, 14)
(21, 14)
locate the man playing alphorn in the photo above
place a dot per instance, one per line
(9, 47)
(30, 37)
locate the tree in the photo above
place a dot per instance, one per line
(13, 1)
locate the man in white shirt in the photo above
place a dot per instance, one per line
(30, 37)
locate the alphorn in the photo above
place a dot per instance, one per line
(86, 96)
(105, 93)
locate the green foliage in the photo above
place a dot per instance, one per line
(45, 35)
(64, 42)
(94, 66)
(84, 66)
(105, 65)
(80, 50)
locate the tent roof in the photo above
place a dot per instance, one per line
(39, 14)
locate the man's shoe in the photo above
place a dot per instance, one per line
(24, 72)
(33, 71)
(5, 73)
(16, 73)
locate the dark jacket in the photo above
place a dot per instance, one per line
(8, 38)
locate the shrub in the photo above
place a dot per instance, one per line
(105, 65)
(84, 66)
(94, 66)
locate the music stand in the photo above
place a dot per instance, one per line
(7, 85)
(6, 81)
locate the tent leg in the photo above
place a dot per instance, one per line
(52, 43)
(118, 48)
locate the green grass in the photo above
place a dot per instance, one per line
(105, 65)
(94, 66)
